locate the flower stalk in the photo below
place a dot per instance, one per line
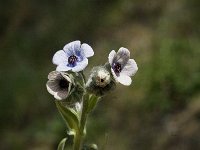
(80, 134)
(77, 142)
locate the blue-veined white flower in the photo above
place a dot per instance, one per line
(73, 57)
(122, 67)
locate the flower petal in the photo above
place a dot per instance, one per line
(71, 47)
(114, 75)
(63, 67)
(66, 77)
(122, 56)
(59, 57)
(124, 79)
(61, 95)
(52, 87)
(88, 51)
(80, 65)
(123, 52)
(53, 74)
(130, 68)
(111, 57)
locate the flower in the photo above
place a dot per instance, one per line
(121, 66)
(100, 81)
(59, 84)
(73, 57)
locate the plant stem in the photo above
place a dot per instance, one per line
(80, 134)
(77, 142)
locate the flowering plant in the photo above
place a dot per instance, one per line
(76, 97)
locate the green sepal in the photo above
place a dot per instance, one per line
(76, 91)
(61, 145)
(69, 115)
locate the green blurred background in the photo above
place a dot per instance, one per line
(159, 111)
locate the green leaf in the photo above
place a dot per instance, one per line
(61, 145)
(69, 116)
(90, 147)
(90, 102)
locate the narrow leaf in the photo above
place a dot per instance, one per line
(61, 145)
(90, 102)
(69, 116)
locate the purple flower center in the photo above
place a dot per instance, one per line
(117, 67)
(72, 60)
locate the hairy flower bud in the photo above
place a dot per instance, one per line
(100, 81)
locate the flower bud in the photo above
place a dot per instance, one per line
(100, 81)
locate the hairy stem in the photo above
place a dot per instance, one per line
(77, 142)
(80, 134)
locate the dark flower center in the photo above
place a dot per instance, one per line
(117, 67)
(102, 80)
(63, 84)
(72, 60)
